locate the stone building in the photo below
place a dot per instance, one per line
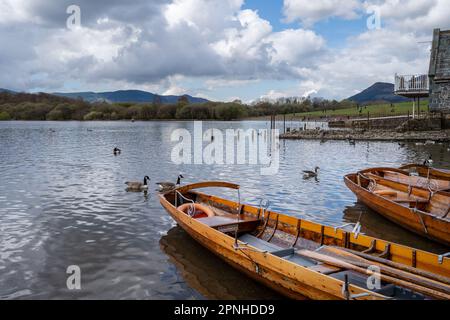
(439, 72)
(436, 85)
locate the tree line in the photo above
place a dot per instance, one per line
(42, 106)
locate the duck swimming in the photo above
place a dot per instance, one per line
(116, 151)
(167, 186)
(311, 174)
(138, 186)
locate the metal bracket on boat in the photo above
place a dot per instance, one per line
(356, 229)
(387, 251)
(442, 256)
(263, 208)
(191, 208)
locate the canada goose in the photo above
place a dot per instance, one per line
(351, 142)
(311, 174)
(116, 151)
(167, 186)
(428, 162)
(137, 186)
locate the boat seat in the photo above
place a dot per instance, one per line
(285, 253)
(413, 201)
(230, 222)
(260, 244)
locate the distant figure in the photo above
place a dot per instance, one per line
(116, 151)
(307, 174)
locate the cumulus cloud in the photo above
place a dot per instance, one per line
(161, 45)
(309, 12)
(419, 16)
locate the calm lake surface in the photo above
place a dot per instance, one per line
(63, 202)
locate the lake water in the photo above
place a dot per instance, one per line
(63, 202)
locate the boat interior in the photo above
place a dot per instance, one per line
(411, 178)
(285, 237)
(381, 183)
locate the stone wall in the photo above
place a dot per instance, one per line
(440, 72)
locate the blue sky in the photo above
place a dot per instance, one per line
(218, 49)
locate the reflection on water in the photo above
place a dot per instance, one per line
(208, 274)
(63, 202)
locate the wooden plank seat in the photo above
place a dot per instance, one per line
(285, 253)
(229, 222)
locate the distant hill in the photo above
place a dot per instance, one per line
(136, 96)
(378, 92)
(6, 90)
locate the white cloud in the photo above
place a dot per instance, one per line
(209, 46)
(294, 46)
(309, 12)
(371, 57)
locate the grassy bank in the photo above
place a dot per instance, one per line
(381, 110)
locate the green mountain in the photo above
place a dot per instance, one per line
(378, 92)
(136, 96)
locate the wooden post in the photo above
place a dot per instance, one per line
(418, 106)
(284, 123)
(368, 120)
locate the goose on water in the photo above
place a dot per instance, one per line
(116, 151)
(428, 162)
(167, 186)
(311, 174)
(138, 186)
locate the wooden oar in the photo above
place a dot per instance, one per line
(343, 264)
(400, 266)
(407, 276)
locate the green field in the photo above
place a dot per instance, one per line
(377, 110)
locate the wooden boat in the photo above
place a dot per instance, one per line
(422, 211)
(426, 171)
(299, 258)
(429, 182)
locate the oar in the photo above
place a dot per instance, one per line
(400, 266)
(407, 276)
(346, 265)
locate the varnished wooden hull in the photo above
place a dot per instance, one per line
(270, 273)
(435, 229)
(291, 279)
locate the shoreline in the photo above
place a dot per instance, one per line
(369, 135)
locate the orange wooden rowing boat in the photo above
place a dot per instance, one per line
(423, 211)
(300, 258)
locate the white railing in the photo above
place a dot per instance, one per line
(411, 83)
